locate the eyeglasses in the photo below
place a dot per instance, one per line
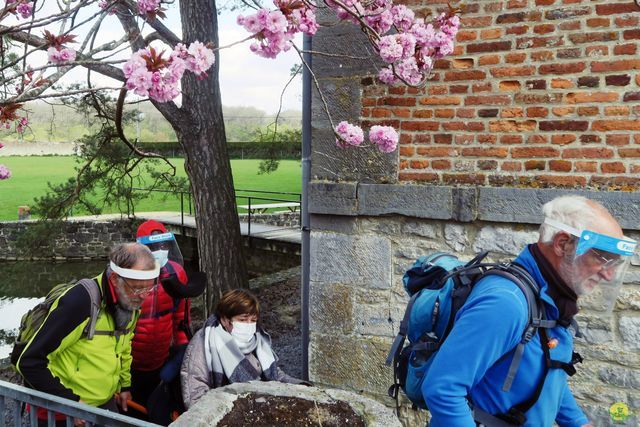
(137, 291)
(607, 259)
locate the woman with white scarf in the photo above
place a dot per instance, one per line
(230, 348)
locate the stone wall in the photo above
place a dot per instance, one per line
(360, 253)
(78, 240)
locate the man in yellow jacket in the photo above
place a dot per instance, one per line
(61, 360)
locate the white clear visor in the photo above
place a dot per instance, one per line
(164, 247)
(596, 267)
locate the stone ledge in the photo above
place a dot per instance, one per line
(465, 204)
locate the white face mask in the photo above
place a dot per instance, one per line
(243, 332)
(161, 256)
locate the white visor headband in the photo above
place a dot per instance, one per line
(136, 274)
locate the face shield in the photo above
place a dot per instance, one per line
(596, 265)
(164, 247)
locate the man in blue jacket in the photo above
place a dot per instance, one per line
(581, 250)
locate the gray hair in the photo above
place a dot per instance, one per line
(575, 211)
(128, 255)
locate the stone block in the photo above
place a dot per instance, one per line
(456, 237)
(621, 377)
(333, 198)
(351, 362)
(334, 223)
(422, 229)
(331, 308)
(377, 313)
(630, 331)
(356, 260)
(503, 240)
(413, 200)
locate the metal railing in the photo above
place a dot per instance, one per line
(249, 195)
(18, 396)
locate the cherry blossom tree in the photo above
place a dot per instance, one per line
(178, 73)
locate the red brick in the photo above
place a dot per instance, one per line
(404, 164)
(542, 55)
(570, 53)
(437, 152)
(465, 113)
(423, 114)
(570, 25)
(589, 81)
(407, 151)
(618, 80)
(404, 102)
(560, 165)
(405, 138)
(462, 63)
(625, 49)
(510, 139)
(419, 125)
(587, 153)
(590, 139)
(586, 166)
(515, 57)
(617, 110)
(487, 165)
(611, 66)
(488, 60)
(535, 98)
(481, 87)
(413, 176)
(466, 36)
(566, 68)
(561, 181)
(492, 33)
(617, 140)
(512, 126)
(512, 71)
(464, 126)
(631, 34)
(532, 152)
(419, 164)
(516, 4)
(463, 178)
(464, 139)
(518, 30)
(582, 97)
(544, 28)
(438, 89)
(536, 84)
(629, 152)
(442, 64)
(401, 112)
(562, 139)
(535, 165)
(561, 84)
(509, 86)
(588, 111)
(616, 8)
(446, 113)
(489, 47)
(464, 75)
(493, 7)
(487, 139)
(544, 2)
(598, 22)
(537, 112)
(488, 112)
(442, 138)
(608, 125)
(603, 36)
(635, 169)
(485, 152)
(441, 164)
(563, 111)
(511, 166)
(476, 21)
(487, 100)
(380, 112)
(537, 42)
(592, 51)
(627, 21)
(631, 96)
(368, 102)
(440, 100)
(508, 113)
(567, 12)
(567, 125)
(397, 90)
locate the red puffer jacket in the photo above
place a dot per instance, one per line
(158, 327)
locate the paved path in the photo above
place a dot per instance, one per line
(263, 231)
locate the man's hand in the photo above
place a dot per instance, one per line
(79, 421)
(122, 398)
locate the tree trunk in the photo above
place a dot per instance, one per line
(207, 161)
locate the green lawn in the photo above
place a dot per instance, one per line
(31, 174)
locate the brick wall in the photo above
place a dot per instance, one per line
(540, 93)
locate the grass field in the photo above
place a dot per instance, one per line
(30, 176)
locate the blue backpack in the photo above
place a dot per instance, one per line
(438, 285)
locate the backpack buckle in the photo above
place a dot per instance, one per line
(393, 391)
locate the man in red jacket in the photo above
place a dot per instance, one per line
(162, 330)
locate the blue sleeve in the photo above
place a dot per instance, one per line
(489, 325)
(570, 414)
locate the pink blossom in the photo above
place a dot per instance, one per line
(349, 134)
(385, 137)
(386, 76)
(381, 22)
(1, 145)
(146, 6)
(4, 172)
(25, 9)
(390, 50)
(201, 58)
(57, 55)
(402, 17)
(276, 22)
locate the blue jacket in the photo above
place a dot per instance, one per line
(488, 326)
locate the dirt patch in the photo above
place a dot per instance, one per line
(259, 410)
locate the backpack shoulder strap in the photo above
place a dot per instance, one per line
(96, 300)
